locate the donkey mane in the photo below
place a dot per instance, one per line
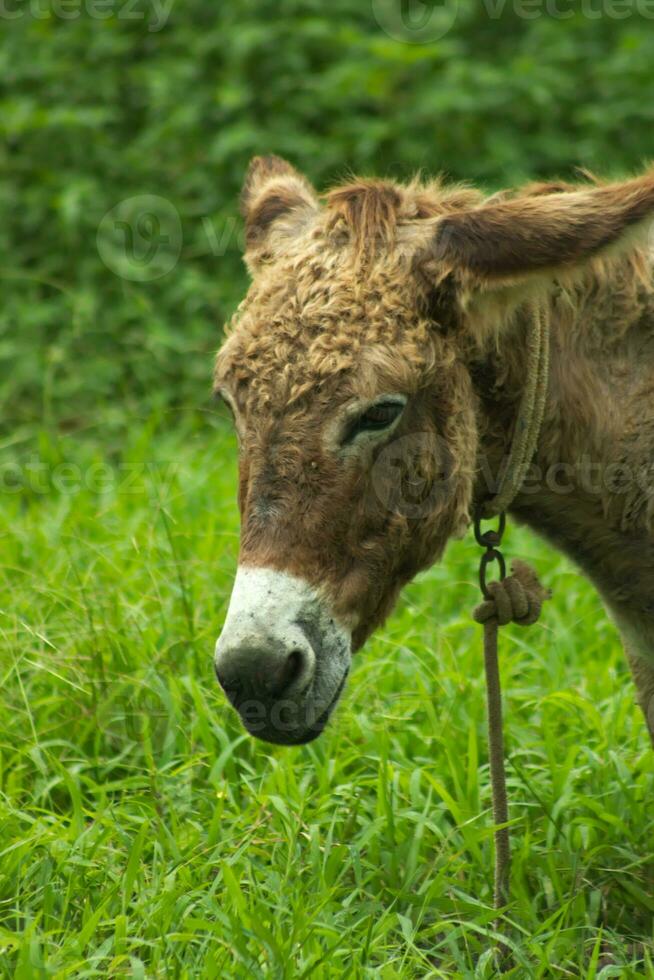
(373, 210)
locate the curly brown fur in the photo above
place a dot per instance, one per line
(421, 289)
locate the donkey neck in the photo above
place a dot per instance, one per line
(590, 488)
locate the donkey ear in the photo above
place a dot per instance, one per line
(507, 242)
(275, 198)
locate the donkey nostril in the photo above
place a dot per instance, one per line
(231, 685)
(288, 672)
(263, 672)
(294, 665)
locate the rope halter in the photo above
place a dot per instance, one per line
(516, 599)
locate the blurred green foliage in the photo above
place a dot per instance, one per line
(141, 830)
(102, 102)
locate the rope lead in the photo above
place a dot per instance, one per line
(516, 599)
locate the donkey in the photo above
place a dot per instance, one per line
(374, 371)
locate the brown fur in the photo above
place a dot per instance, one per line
(421, 289)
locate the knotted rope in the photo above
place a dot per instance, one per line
(516, 599)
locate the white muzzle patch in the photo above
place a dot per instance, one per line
(282, 658)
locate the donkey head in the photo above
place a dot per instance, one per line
(347, 371)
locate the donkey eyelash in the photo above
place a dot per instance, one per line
(376, 418)
(221, 396)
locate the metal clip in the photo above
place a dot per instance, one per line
(490, 540)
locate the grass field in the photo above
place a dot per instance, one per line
(143, 834)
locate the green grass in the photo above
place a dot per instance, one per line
(143, 834)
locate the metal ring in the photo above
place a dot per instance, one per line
(489, 556)
(491, 538)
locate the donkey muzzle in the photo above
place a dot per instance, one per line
(281, 659)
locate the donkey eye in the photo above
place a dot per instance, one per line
(224, 400)
(375, 419)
